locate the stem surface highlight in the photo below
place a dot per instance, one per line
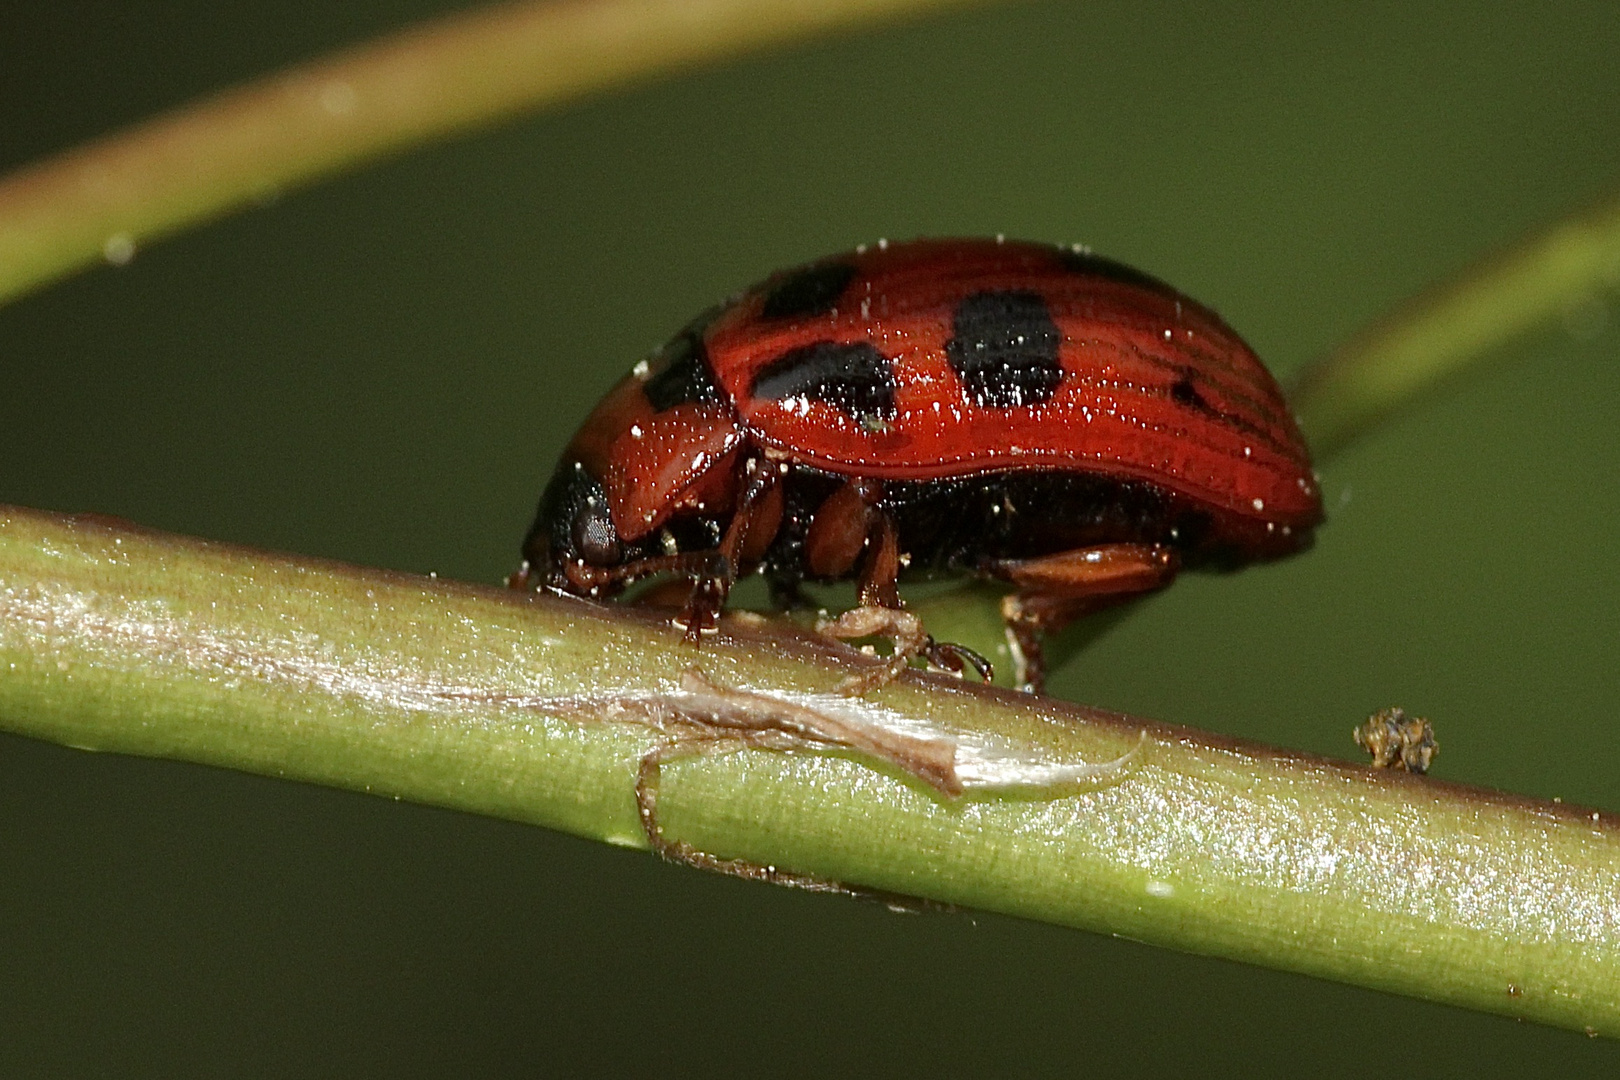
(540, 709)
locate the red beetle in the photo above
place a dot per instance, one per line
(1023, 412)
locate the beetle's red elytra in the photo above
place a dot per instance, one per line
(1028, 413)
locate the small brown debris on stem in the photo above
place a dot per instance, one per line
(1398, 741)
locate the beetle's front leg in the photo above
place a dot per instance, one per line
(753, 526)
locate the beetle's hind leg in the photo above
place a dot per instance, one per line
(1055, 590)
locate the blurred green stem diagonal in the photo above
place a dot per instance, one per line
(454, 74)
(1546, 275)
(118, 639)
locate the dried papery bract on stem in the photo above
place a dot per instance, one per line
(708, 717)
(721, 709)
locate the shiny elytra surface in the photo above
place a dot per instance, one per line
(1154, 385)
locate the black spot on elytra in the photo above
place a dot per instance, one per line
(682, 373)
(1004, 347)
(1185, 393)
(808, 291)
(854, 378)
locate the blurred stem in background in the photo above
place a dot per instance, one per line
(1547, 275)
(247, 144)
(121, 640)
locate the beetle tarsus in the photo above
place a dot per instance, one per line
(949, 656)
(521, 579)
(707, 599)
(905, 631)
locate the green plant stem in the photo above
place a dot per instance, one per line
(1458, 323)
(117, 639)
(247, 144)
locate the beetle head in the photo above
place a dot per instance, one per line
(573, 537)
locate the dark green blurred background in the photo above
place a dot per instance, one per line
(382, 370)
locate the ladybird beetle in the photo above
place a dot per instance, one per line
(1028, 413)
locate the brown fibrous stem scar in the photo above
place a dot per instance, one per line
(708, 717)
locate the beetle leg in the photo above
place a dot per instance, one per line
(949, 656)
(1054, 590)
(880, 571)
(881, 614)
(902, 628)
(841, 530)
(753, 526)
(593, 580)
(759, 513)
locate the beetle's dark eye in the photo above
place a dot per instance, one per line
(595, 538)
